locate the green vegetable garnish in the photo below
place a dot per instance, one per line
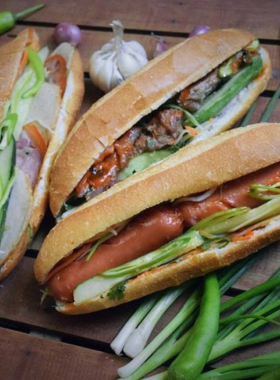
(141, 162)
(172, 338)
(38, 67)
(216, 102)
(117, 291)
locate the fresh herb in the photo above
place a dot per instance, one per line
(117, 291)
(264, 192)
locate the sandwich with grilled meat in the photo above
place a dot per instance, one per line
(195, 90)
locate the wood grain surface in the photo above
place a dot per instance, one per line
(36, 342)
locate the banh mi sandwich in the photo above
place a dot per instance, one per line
(195, 90)
(40, 94)
(201, 209)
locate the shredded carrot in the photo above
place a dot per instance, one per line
(22, 63)
(30, 36)
(36, 138)
(24, 57)
(192, 131)
(245, 237)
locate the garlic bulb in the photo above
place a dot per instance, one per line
(116, 60)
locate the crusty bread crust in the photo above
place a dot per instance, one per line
(16, 254)
(191, 170)
(15, 243)
(68, 110)
(10, 58)
(145, 91)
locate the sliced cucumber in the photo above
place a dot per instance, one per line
(141, 162)
(7, 174)
(216, 102)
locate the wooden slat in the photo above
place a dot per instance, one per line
(25, 357)
(262, 18)
(21, 293)
(80, 348)
(94, 40)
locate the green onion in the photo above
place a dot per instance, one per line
(182, 316)
(120, 340)
(170, 251)
(219, 217)
(167, 344)
(270, 106)
(139, 337)
(147, 361)
(256, 191)
(97, 244)
(271, 375)
(238, 334)
(258, 214)
(247, 369)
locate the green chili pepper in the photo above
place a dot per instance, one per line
(8, 19)
(38, 67)
(192, 359)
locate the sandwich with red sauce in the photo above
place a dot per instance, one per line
(205, 207)
(40, 95)
(195, 90)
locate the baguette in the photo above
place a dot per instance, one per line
(50, 116)
(158, 81)
(193, 169)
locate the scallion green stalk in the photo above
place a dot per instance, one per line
(120, 340)
(139, 337)
(247, 369)
(170, 341)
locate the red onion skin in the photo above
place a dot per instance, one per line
(67, 32)
(199, 30)
(161, 47)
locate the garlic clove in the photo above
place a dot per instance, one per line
(131, 58)
(136, 47)
(104, 73)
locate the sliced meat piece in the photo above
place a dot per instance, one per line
(162, 130)
(191, 97)
(104, 173)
